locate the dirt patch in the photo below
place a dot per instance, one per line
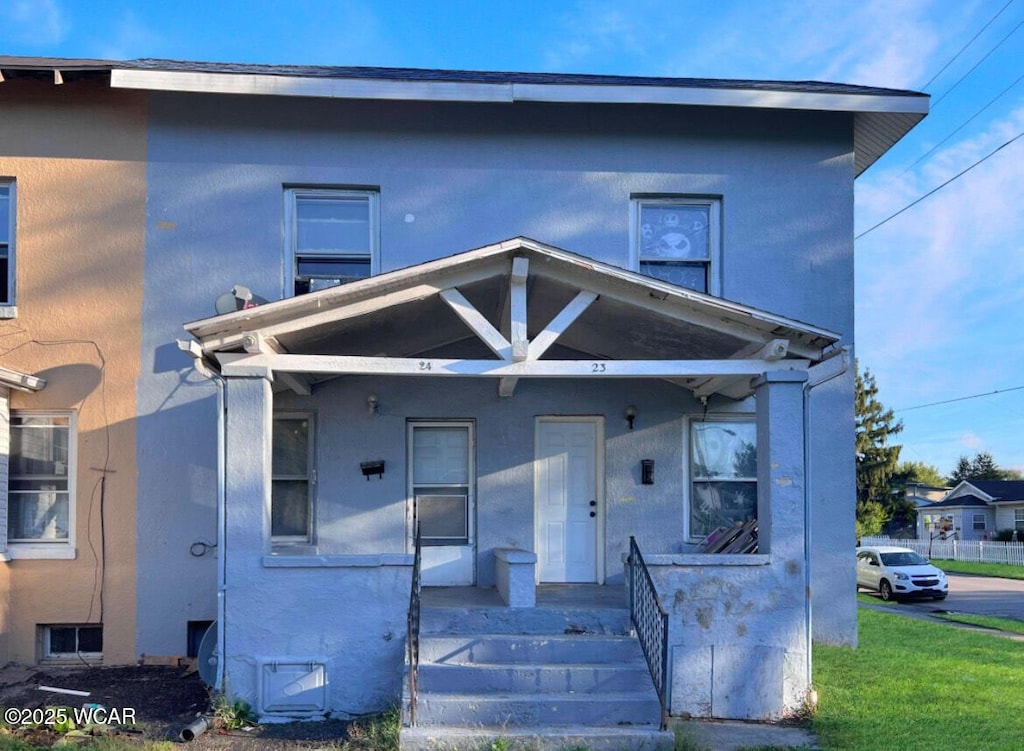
(164, 700)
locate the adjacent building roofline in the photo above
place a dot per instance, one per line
(881, 116)
(14, 379)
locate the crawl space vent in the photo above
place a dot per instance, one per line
(293, 687)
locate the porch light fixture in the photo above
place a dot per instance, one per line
(373, 403)
(630, 415)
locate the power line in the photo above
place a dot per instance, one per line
(975, 66)
(962, 49)
(967, 122)
(933, 191)
(960, 399)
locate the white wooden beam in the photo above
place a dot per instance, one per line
(560, 323)
(507, 387)
(255, 343)
(237, 364)
(480, 326)
(772, 351)
(517, 305)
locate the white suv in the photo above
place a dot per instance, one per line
(897, 573)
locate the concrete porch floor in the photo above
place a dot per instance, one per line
(557, 596)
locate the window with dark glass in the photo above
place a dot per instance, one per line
(6, 242)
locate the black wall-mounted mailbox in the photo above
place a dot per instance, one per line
(375, 467)
(647, 471)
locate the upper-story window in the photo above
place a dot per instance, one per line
(6, 242)
(331, 235)
(678, 240)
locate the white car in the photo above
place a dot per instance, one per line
(898, 573)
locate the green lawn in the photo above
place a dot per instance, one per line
(1005, 570)
(985, 621)
(919, 686)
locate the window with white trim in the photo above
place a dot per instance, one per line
(40, 487)
(293, 478)
(979, 521)
(441, 481)
(677, 240)
(1018, 519)
(332, 237)
(723, 474)
(7, 218)
(70, 642)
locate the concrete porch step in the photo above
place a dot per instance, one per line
(538, 620)
(579, 678)
(557, 649)
(518, 710)
(555, 738)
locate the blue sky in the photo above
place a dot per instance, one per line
(940, 288)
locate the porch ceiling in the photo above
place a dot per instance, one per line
(486, 306)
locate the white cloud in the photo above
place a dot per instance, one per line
(971, 441)
(37, 22)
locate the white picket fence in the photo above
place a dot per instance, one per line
(959, 550)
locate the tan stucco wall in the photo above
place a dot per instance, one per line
(78, 155)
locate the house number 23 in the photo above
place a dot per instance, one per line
(597, 367)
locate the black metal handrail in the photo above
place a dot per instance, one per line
(413, 629)
(650, 621)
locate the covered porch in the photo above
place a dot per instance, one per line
(527, 408)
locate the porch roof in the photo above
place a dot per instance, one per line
(515, 309)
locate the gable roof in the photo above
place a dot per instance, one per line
(1001, 490)
(960, 501)
(881, 116)
(415, 312)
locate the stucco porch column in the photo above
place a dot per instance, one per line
(248, 458)
(781, 510)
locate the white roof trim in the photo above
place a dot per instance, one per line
(470, 91)
(15, 379)
(328, 88)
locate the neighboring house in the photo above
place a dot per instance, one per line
(573, 309)
(72, 238)
(975, 510)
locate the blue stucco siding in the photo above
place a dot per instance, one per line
(453, 177)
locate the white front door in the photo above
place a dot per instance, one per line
(441, 491)
(569, 511)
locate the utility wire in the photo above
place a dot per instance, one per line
(975, 66)
(933, 191)
(963, 125)
(960, 399)
(962, 49)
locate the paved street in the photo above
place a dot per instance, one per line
(980, 595)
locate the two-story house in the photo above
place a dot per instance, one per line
(530, 316)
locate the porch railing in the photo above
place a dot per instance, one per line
(413, 630)
(650, 621)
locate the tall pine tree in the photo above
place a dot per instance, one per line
(877, 459)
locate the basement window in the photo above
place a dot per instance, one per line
(72, 642)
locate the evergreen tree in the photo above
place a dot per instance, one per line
(877, 460)
(982, 467)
